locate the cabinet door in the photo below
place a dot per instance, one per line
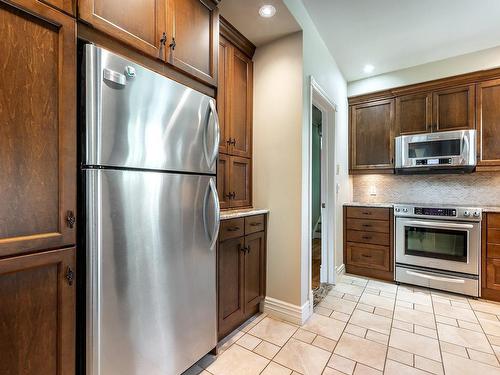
(372, 136)
(38, 128)
(37, 314)
(140, 24)
(239, 181)
(67, 6)
(230, 258)
(413, 114)
(240, 104)
(223, 93)
(453, 109)
(488, 123)
(193, 28)
(255, 268)
(223, 181)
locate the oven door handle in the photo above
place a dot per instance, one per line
(435, 278)
(439, 225)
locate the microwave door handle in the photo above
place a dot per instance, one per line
(439, 225)
(435, 278)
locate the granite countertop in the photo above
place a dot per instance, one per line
(234, 214)
(390, 205)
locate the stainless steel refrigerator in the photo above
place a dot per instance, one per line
(152, 219)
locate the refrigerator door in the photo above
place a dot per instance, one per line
(151, 294)
(137, 118)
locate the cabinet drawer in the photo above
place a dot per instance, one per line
(254, 224)
(368, 213)
(370, 256)
(368, 225)
(368, 237)
(232, 229)
(493, 236)
(494, 221)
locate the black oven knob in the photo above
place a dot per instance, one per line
(477, 214)
(466, 213)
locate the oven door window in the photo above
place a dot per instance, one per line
(436, 243)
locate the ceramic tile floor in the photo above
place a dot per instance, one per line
(368, 327)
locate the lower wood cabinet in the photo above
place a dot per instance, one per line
(368, 242)
(241, 271)
(490, 257)
(37, 313)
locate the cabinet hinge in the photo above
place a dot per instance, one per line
(70, 219)
(70, 276)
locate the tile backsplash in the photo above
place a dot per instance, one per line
(475, 189)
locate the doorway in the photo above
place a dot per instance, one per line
(316, 201)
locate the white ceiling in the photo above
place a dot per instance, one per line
(244, 15)
(398, 34)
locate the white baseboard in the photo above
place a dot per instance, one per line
(340, 270)
(286, 311)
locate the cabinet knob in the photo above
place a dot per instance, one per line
(70, 219)
(70, 276)
(173, 44)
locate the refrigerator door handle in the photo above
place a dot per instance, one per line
(212, 190)
(215, 116)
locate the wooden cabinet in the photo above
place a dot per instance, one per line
(67, 6)
(368, 241)
(453, 109)
(372, 137)
(139, 24)
(235, 107)
(490, 257)
(413, 114)
(38, 128)
(488, 124)
(193, 29)
(37, 313)
(241, 270)
(183, 33)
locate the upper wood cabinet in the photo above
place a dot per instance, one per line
(193, 34)
(38, 128)
(67, 6)
(140, 24)
(37, 313)
(372, 137)
(453, 109)
(488, 124)
(223, 93)
(414, 114)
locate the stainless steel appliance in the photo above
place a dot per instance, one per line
(438, 247)
(444, 152)
(152, 219)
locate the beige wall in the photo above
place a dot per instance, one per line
(471, 62)
(277, 159)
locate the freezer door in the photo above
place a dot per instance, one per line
(151, 294)
(139, 119)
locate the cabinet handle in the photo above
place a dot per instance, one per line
(233, 195)
(70, 219)
(367, 237)
(366, 255)
(163, 41)
(229, 141)
(70, 276)
(173, 44)
(254, 224)
(366, 225)
(248, 249)
(233, 229)
(234, 142)
(366, 213)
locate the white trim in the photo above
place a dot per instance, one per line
(340, 270)
(286, 311)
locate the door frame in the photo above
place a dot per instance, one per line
(328, 108)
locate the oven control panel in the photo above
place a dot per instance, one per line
(445, 213)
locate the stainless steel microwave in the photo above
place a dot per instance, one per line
(445, 152)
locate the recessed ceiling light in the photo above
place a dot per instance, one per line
(267, 11)
(368, 68)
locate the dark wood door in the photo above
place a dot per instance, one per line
(230, 259)
(37, 128)
(193, 40)
(413, 114)
(372, 136)
(139, 24)
(488, 123)
(453, 109)
(223, 181)
(240, 104)
(223, 93)
(255, 268)
(37, 314)
(239, 181)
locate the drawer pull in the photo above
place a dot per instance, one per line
(367, 237)
(233, 229)
(366, 255)
(367, 225)
(366, 213)
(255, 224)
